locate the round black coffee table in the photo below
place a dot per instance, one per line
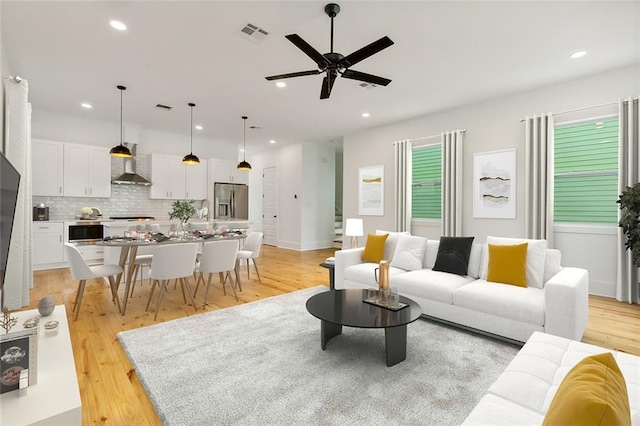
(337, 308)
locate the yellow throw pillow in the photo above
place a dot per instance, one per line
(374, 248)
(592, 393)
(508, 264)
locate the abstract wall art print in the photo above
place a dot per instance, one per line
(494, 184)
(371, 191)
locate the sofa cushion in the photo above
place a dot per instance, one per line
(429, 284)
(374, 247)
(475, 260)
(592, 393)
(364, 273)
(494, 410)
(536, 252)
(430, 254)
(508, 301)
(409, 252)
(453, 255)
(551, 264)
(508, 264)
(390, 244)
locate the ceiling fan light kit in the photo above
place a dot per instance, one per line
(244, 165)
(120, 150)
(190, 158)
(333, 63)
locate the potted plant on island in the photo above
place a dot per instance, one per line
(182, 210)
(630, 220)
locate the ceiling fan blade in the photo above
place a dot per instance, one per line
(365, 52)
(327, 85)
(293, 74)
(308, 49)
(369, 78)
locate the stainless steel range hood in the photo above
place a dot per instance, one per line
(130, 177)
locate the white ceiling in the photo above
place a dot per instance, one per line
(446, 54)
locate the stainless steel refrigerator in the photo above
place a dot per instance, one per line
(231, 201)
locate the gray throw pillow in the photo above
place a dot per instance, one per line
(453, 255)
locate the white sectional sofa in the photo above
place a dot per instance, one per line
(560, 307)
(523, 393)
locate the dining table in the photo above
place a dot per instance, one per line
(129, 250)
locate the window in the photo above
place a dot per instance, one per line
(426, 182)
(586, 172)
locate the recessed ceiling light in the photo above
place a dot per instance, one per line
(281, 84)
(86, 105)
(241, 149)
(365, 114)
(272, 141)
(578, 54)
(198, 127)
(117, 25)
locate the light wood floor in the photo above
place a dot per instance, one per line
(109, 388)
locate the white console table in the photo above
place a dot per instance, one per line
(55, 399)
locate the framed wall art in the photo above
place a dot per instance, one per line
(494, 184)
(371, 191)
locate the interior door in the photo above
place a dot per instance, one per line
(270, 205)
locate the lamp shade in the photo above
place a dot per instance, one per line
(354, 228)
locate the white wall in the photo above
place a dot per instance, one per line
(490, 126)
(318, 195)
(75, 129)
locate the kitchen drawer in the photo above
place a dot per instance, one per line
(48, 227)
(92, 253)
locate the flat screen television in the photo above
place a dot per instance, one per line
(9, 183)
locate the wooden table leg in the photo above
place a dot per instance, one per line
(133, 252)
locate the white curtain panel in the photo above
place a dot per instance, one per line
(19, 274)
(628, 175)
(451, 183)
(402, 179)
(539, 136)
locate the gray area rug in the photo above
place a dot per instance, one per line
(261, 363)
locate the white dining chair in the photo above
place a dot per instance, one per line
(217, 257)
(172, 261)
(82, 272)
(144, 259)
(250, 251)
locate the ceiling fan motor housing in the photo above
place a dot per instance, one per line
(332, 10)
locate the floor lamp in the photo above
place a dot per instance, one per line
(354, 230)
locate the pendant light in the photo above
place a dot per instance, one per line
(243, 165)
(120, 150)
(190, 158)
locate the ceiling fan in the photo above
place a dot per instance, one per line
(334, 63)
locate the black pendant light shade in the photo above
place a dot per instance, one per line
(120, 150)
(243, 165)
(190, 158)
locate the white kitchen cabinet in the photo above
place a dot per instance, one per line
(168, 177)
(47, 159)
(196, 181)
(87, 171)
(225, 171)
(47, 244)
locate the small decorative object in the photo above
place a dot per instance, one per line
(7, 320)
(46, 305)
(383, 280)
(182, 210)
(31, 322)
(51, 328)
(87, 213)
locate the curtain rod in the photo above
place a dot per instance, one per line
(583, 108)
(430, 137)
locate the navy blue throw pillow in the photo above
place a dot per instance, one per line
(453, 255)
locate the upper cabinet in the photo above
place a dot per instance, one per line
(87, 171)
(47, 159)
(225, 171)
(168, 177)
(196, 181)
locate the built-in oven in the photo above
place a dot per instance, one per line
(83, 233)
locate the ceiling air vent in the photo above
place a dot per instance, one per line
(253, 32)
(164, 107)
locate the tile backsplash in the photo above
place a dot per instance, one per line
(125, 199)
